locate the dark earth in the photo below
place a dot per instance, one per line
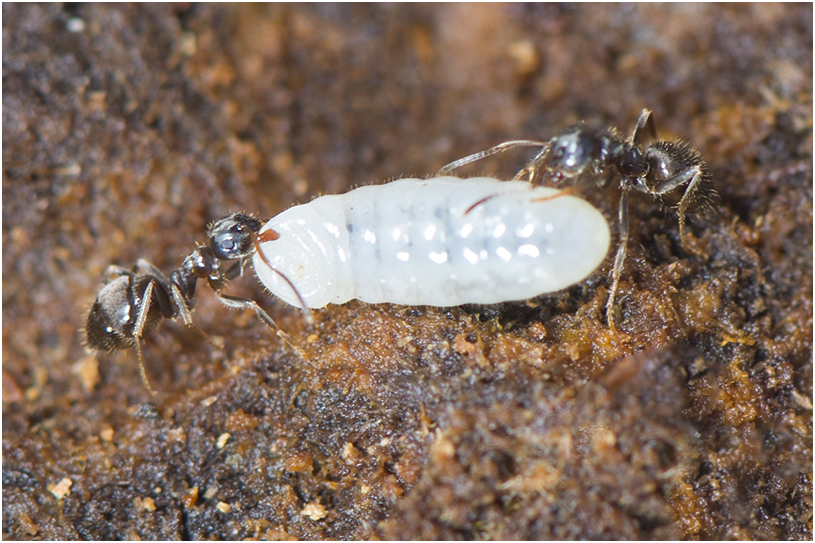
(128, 128)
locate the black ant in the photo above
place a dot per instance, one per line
(132, 303)
(672, 172)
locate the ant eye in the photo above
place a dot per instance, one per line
(224, 246)
(228, 243)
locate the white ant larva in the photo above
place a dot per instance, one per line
(443, 241)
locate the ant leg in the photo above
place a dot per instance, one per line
(186, 315)
(260, 238)
(622, 249)
(141, 368)
(234, 271)
(692, 177)
(562, 192)
(534, 168)
(242, 303)
(117, 271)
(138, 329)
(498, 195)
(144, 267)
(141, 318)
(500, 148)
(645, 119)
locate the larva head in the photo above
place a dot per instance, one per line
(295, 262)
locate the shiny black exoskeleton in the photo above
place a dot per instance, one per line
(132, 303)
(672, 172)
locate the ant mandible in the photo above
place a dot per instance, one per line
(672, 172)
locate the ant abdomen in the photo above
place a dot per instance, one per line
(114, 317)
(669, 159)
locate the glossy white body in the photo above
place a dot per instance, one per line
(413, 242)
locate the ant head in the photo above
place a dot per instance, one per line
(232, 237)
(572, 151)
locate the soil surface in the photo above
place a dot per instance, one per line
(128, 128)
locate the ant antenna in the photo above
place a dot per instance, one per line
(500, 148)
(271, 235)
